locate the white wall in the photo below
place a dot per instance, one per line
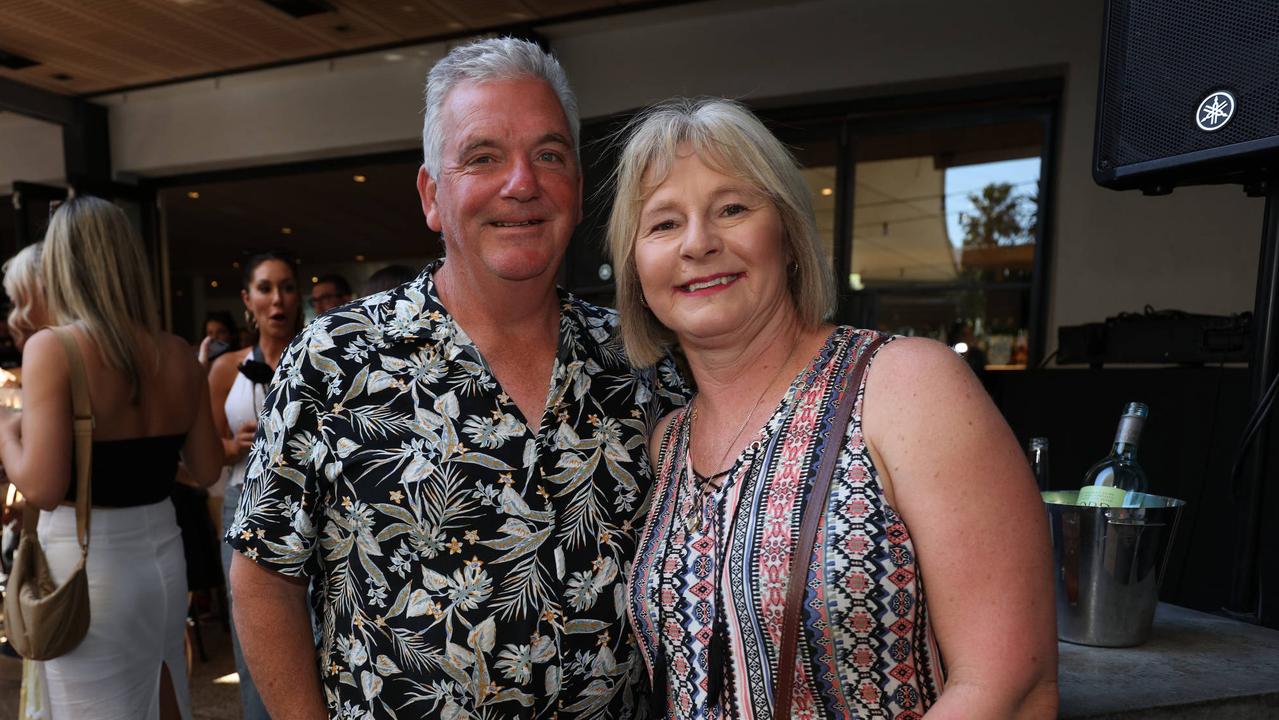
(1196, 250)
(30, 150)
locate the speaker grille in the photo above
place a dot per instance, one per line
(1165, 56)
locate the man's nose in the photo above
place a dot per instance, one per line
(521, 181)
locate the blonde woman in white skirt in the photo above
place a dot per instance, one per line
(151, 409)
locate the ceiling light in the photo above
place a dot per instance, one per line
(286, 231)
(827, 192)
(235, 264)
(359, 258)
(358, 178)
(314, 279)
(393, 57)
(193, 194)
(213, 284)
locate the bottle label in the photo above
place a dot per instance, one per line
(1101, 496)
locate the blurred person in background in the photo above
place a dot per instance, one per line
(237, 386)
(329, 292)
(28, 315)
(151, 410)
(220, 335)
(391, 276)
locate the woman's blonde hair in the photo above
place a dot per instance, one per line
(22, 285)
(730, 139)
(95, 273)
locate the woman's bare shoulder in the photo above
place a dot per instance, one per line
(226, 365)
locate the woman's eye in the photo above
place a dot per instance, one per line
(663, 226)
(733, 209)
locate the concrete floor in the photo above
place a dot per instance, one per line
(209, 700)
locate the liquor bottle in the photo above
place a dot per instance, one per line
(1037, 452)
(1113, 480)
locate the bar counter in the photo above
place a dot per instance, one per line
(1195, 666)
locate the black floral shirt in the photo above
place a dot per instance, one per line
(463, 564)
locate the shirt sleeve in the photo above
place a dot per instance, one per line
(282, 502)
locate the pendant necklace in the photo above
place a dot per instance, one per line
(693, 521)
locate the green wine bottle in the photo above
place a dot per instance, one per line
(1113, 481)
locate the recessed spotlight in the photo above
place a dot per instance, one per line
(827, 192)
(193, 194)
(359, 178)
(286, 231)
(213, 283)
(314, 279)
(359, 258)
(235, 264)
(393, 57)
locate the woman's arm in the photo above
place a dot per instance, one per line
(35, 446)
(952, 468)
(202, 453)
(221, 377)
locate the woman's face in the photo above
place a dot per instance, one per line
(273, 299)
(710, 255)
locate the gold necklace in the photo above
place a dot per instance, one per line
(693, 521)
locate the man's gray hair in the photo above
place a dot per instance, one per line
(504, 58)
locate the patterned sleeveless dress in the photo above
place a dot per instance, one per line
(866, 645)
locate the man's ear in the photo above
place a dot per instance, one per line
(426, 187)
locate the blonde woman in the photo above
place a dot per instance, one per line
(22, 284)
(717, 251)
(28, 315)
(151, 409)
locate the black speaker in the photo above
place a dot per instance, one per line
(1189, 93)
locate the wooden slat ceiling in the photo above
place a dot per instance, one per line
(83, 47)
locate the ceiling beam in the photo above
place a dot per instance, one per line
(86, 140)
(36, 103)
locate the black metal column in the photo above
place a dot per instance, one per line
(1253, 566)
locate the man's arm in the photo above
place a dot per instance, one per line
(274, 627)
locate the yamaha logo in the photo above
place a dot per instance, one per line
(1215, 111)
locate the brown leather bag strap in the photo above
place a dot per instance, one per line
(82, 426)
(814, 508)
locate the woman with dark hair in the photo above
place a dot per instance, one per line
(220, 335)
(237, 386)
(151, 410)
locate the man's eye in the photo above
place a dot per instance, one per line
(550, 156)
(480, 160)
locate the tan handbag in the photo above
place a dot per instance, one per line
(46, 620)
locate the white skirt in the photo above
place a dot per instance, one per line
(138, 606)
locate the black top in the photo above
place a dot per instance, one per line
(133, 472)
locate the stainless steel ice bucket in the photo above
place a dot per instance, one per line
(1108, 564)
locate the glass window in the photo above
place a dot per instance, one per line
(944, 230)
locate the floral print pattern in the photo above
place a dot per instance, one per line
(463, 563)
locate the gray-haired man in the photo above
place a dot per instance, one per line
(468, 533)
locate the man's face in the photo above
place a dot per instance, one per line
(509, 191)
(325, 297)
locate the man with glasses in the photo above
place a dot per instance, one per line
(329, 292)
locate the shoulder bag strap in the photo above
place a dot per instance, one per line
(814, 508)
(83, 431)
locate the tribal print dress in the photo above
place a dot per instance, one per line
(866, 645)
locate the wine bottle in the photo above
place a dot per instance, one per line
(1113, 480)
(1037, 452)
